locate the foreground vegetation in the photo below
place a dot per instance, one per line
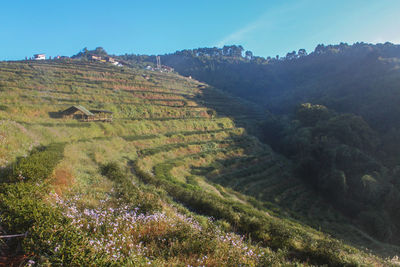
(144, 189)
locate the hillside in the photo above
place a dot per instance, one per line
(147, 188)
(361, 79)
(333, 113)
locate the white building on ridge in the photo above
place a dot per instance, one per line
(39, 57)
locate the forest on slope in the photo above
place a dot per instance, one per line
(333, 112)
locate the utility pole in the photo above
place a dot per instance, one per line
(158, 62)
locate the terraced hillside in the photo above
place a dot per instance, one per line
(146, 188)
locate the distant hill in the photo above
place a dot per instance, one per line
(360, 78)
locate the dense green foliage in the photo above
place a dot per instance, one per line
(49, 233)
(38, 165)
(335, 153)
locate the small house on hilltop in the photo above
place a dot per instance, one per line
(113, 61)
(39, 57)
(81, 113)
(167, 68)
(95, 58)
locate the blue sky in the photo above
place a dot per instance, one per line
(266, 27)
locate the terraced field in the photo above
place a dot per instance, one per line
(177, 149)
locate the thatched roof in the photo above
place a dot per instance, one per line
(73, 109)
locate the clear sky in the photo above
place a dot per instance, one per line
(266, 27)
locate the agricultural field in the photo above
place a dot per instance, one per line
(178, 178)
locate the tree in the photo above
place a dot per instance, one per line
(233, 51)
(302, 52)
(249, 55)
(100, 51)
(291, 55)
(320, 49)
(309, 114)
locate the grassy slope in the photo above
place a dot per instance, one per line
(171, 145)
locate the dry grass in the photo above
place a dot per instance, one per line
(62, 179)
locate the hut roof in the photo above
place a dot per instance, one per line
(78, 107)
(100, 111)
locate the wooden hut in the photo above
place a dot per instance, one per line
(78, 112)
(81, 113)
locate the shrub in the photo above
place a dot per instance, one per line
(37, 166)
(50, 236)
(128, 192)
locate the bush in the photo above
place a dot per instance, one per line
(128, 192)
(50, 235)
(310, 114)
(37, 166)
